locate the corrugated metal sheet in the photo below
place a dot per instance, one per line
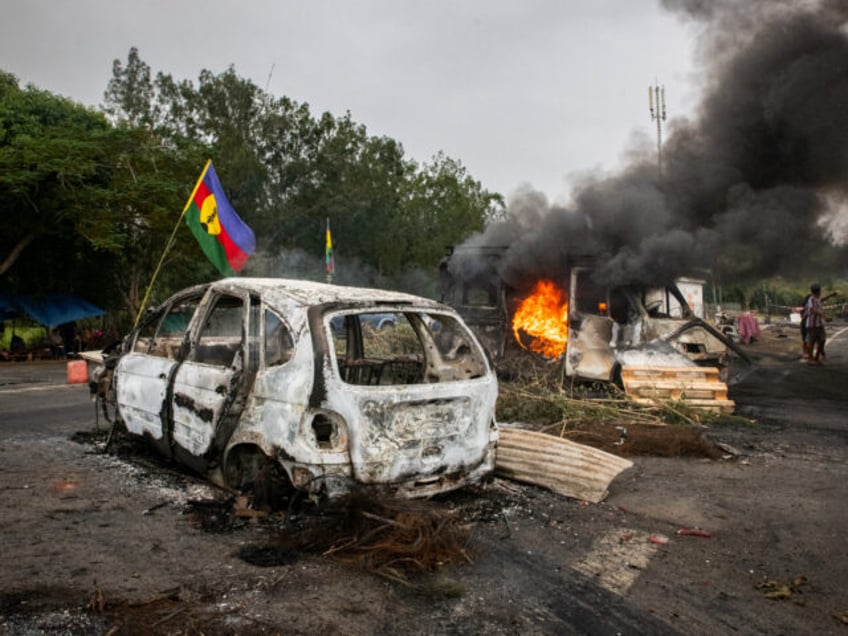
(565, 467)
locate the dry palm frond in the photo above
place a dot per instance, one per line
(392, 538)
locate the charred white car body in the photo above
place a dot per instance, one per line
(244, 380)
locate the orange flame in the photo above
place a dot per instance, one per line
(543, 316)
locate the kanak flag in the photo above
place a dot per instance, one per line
(226, 240)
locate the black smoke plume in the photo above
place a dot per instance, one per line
(756, 182)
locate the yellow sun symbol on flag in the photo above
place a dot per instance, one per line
(209, 216)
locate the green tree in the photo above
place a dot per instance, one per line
(359, 183)
(111, 187)
(174, 128)
(130, 94)
(286, 172)
(54, 172)
(233, 120)
(446, 205)
(149, 189)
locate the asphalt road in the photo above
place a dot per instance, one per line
(784, 389)
(35, 399)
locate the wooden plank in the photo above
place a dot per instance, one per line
(560, 465)
(719, 406)
(640, 372)
(699, 387)
(671, 384)
(677, 390)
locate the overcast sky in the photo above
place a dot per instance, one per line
(522, 92)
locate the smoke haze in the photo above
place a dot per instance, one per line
(756, 182)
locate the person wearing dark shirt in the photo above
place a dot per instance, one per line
(814, 318)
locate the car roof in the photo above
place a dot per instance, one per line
(306, 292)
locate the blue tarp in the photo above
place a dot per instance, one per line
(9, 308)
(50, 310)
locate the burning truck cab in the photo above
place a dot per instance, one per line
(596, 329)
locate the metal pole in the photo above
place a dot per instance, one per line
(656, 104)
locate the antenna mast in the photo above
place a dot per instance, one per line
(656, 98)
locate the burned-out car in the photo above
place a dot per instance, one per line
(250, 380)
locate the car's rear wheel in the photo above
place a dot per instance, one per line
(249, 470)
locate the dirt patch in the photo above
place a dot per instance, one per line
(601, 415)
(268, 556)
(647, 441)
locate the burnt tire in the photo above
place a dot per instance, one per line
(250, 471)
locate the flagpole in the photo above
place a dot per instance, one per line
(169, 245)
(196, 186)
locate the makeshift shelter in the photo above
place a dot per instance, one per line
(57, 312)
(50, 310)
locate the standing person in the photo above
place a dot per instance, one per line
(68, 331)
(57, 345)
(814, 318)
(805, 348)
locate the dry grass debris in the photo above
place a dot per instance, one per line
(536, 395)
(389, 537)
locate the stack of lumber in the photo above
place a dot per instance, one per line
(699, 387)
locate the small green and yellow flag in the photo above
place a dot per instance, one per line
(328, 251)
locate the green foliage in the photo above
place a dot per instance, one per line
(89, 201)
(287, 172)
(54, 170)
(31, 333)
(86, 205)
(527, 406)
(130, 94)
(781, 292)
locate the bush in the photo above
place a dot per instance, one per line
(32, 333)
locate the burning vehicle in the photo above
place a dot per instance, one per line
(254, 382)
(597, 329)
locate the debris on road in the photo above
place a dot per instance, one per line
(695, 532)
(842, 617)
(782, 589)
(391, 538)
(562, 466)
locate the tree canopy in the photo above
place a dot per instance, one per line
(54, 173)
(90, 198)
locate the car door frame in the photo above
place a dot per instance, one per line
(196, 432)
(138, 374)
(588, 352)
